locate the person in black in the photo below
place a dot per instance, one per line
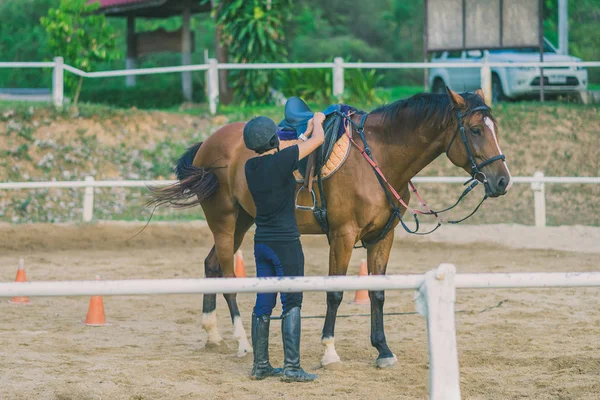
(277, 247)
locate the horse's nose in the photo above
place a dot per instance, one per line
(502, 185)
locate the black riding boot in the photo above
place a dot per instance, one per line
(260, 342)
(290, 330)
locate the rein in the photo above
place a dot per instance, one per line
(476, 176)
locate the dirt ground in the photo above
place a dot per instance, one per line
(538, 344)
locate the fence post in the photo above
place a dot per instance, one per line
(539, 200)
(435, 300)
(213, 85)
(58, 82)
(88, 200)
(338, 78)
(486, 80)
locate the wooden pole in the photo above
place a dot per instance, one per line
(541, 39)
(222, 56)
(213, 85)
(131, 50)
(486, 79)
(563, 26)
(539, 200)
(435, 301)
(186, 53)
(425, 53)
(58, 82)
(338, 78)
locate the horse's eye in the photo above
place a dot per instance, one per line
(476, 132)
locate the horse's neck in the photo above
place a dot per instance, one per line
(402, 155)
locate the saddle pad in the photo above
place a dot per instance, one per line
(340, 152)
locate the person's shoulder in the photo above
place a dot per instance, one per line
(291, 151)
(251, 163)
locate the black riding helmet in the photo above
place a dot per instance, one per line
(260, 135)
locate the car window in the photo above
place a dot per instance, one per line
(455, 54)
(547, 50)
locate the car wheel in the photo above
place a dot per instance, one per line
(497, 92)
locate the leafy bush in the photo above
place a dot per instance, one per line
(143, 95)
(84, 38)
(360, 85)
(316, 85)
(310, 84)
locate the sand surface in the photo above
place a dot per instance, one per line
(538, 344)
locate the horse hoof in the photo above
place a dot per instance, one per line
(387, 362)
(217, 347)
(334, 366)
(243, 352)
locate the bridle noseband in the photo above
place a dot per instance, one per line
(476, 173)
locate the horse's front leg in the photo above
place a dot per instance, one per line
(377, 259)
(339, 257)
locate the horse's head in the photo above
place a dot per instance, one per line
(473, 143)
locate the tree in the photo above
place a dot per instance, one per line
(23, 39)
(253, 31)
(83, 38)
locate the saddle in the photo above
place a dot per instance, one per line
(327, 158)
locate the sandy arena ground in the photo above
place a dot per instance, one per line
(538, 344)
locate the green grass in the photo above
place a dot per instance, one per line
(24, 110)
(399, 92)
(238, 113)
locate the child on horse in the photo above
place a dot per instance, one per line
(277, 246)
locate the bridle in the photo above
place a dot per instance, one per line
(476, 176)
(476, 173)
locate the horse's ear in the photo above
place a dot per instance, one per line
(479, 92)
(456, 99)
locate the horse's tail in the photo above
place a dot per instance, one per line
(195, 185)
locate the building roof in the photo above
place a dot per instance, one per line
(149, 8)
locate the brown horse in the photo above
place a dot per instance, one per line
(404, 137)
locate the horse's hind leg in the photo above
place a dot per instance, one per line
(212, 269)
(228, 229)
(221, 217)
(243, 223)
(377, 259)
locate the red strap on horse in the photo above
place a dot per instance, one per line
(394, 192)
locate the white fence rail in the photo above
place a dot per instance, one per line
(289, 285)
(537, 182)
(435, 298)
(212, 67)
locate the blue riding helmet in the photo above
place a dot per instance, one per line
(260, 134)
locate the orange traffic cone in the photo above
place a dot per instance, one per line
(240, 269)
(362, 296)
(95, 315)
(20, 278)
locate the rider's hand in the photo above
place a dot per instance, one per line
(309, 128)
(319, 117)
(318, 133)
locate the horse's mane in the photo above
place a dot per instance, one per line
(424, 109)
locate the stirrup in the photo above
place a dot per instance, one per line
(306, 208)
